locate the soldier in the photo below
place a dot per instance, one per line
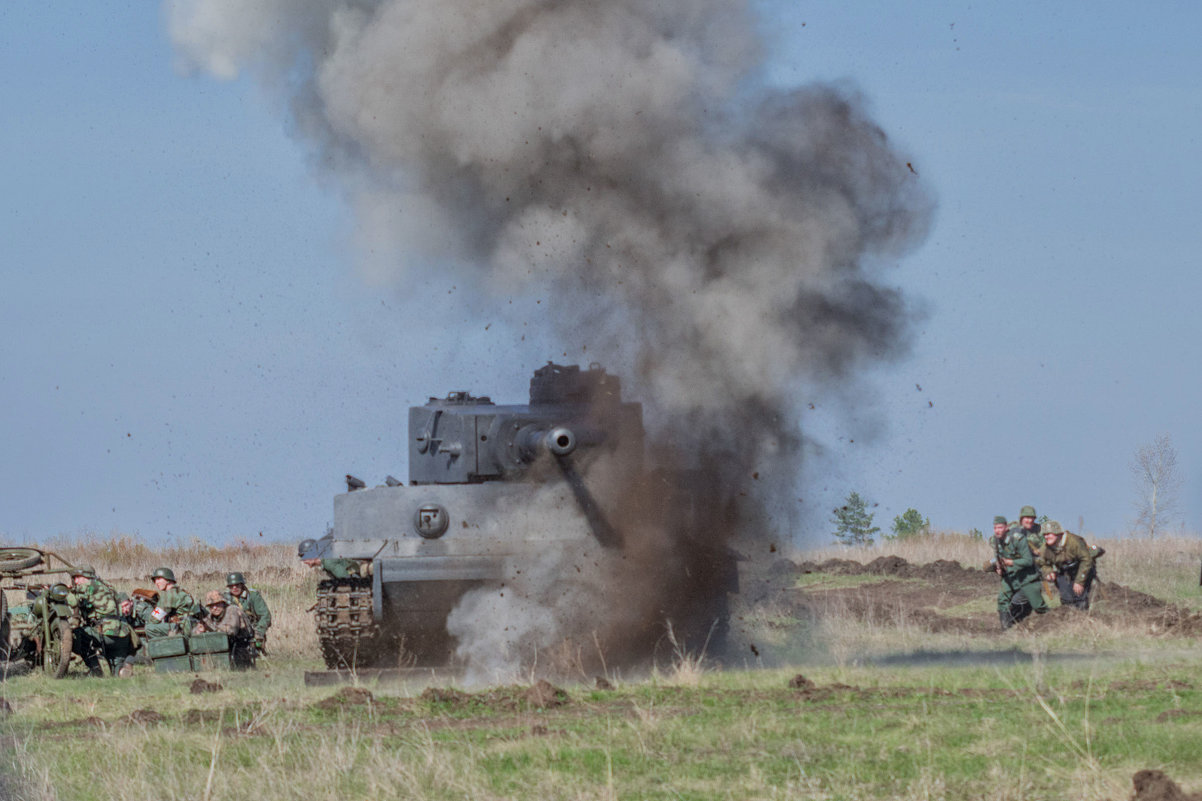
(175, 607)
(1021, 592)
(1066, 559)
(104, 632)
(251, 602)
(225, 617)
(1026, 522)
(310, 552)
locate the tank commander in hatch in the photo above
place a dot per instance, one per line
(253, 607)
(311, 554)
(175, 608)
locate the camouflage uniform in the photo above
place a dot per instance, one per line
(1072, 560)
(171, 614)
(105, 632)
(1021, 592)
(234, 624)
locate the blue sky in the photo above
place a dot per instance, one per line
(190, 347)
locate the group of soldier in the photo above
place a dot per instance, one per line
(111, 621)
(1028, 554)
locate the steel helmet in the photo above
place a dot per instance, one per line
(164, 572)
(234, 578)
(1053, 527)
(58, 593)
(83, 570)
(214, 597)
(1026, 511)
(306, 547)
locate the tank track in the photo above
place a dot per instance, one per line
(346, 629)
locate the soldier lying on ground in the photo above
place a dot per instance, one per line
(221, 616)
(1067, 560)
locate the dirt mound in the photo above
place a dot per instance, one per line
(1154, 785)
(544, 695)
(195, 716)
(943, 584)
(347, 696)
(541, 695)
(201, 686)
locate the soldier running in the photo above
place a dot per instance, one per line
(1021, 592)
(1066, 559)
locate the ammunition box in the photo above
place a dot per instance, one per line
(173, 664)
(211, 661)
(212, 642)
(161, 647)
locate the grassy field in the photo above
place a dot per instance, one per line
(885, 709)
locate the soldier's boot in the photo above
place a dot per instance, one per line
(1006, 618)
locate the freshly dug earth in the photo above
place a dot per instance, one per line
(943, 585)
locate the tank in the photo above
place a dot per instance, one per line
(491, 489)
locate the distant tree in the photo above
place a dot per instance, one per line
(1158, 485)
(910, 524)
(853, 522)
(976, 533)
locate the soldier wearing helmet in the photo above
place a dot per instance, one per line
(253, 607)
(104, 634)
(1067, 560)
(312, 554)
(1021, 593)
(175, 607)
(220, 615)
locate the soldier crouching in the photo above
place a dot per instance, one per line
(1070, 562)
(230, 620)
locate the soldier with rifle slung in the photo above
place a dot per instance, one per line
(175, 608)
(251, 602)
(104, 632)
(1067, 560)
(1015, 562)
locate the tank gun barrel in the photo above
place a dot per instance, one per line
(536, 439)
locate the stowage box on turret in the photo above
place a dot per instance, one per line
(490, 488)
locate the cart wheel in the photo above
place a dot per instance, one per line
(18, 558)
(57, 654)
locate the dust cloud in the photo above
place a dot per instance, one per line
(721, 242)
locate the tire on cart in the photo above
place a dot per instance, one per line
(18, 558)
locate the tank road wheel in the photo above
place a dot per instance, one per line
(56, 654)
(346, 628)
(18, 558)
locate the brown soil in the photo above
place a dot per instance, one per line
(347, 696)
(200, 686)
(143, 717)
(944, 585)
(1154, 785)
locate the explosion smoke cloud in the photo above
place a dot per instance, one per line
(624, 155)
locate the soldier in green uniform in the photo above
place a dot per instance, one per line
(1066, 559)
(310, 553)
(1021, 592)
(175, 609)
(1030, 529)
(104, 633)
(253, 607)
